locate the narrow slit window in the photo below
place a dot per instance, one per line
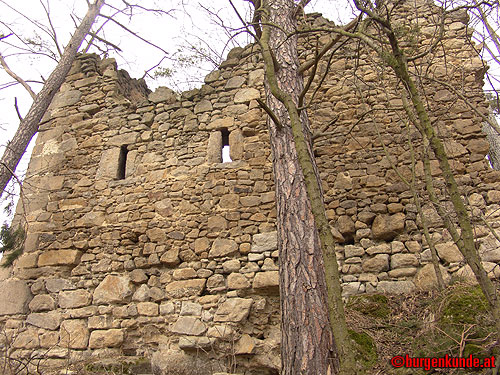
(122, 163)
(225, 146)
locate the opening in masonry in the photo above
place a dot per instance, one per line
(225, 146)
(122, 163)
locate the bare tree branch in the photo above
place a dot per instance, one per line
(16, 77)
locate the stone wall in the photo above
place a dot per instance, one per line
(141, 239)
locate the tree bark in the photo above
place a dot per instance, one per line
(307, 344)
(29, 125)
(494, 140)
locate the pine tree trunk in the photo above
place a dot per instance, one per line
(494, 141)
(29, 125)
(307, 345)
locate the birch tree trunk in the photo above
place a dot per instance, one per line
(29, 125)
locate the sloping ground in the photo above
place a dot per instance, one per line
(426, 324)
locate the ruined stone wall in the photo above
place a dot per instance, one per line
(140, 238)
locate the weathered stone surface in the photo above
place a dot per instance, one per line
(42, 302)
(403, 260)
(264, 242)
(353, 288)
(222, 331)
(74, 298)
(59, 258)
(56, 285)
(163, 94)
(178, 362)
(232, 265)
(189, 325)
(203, 106)
(156, 235)
(184, 274)
(403, 272)
(109, 338)
(387, 227)
(449, 252)
(196, 343)
(222, 247)
(15, 296)
(74, 334)
(235, 82)
(353, 251)
(237, 145)
(214, 148)
(171, 257)
(233, 310)
(383, 248)
(147, 308)
(185, 288)
(245, 345)
(345, 225)
(266, 280)
(237, 281)
(378, 263)
(245, 95)
(216, 223)
(225, 122)
(138, 276)
(66, 98)
(426, 277)
(47, 320)
(489, 249)
(396, 287)
(190, 309)
(113, 289)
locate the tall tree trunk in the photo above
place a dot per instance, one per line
(29, 125)
(494, 140)
(307, 345)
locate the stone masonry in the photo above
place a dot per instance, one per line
(139, 237)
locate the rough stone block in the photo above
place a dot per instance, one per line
(266, 280)
(59, 258)
(237, 281)
(49, 320)
(74, 334)
(264, 242)
(42, 302)
(378, 263)
(449, 252)
(403, 260)
(396, 287)
(222, 247)
(189, 325)
(246, 95)
(185, 288)
(112, 289)
(426, 277)
(233, 310)
(74, 298)
(109, 338)
(387, 227)
(15, 296)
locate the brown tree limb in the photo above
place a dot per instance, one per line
(16, 77)
(29, 126)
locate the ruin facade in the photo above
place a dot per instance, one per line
(141, 238)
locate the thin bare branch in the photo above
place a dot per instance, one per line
(16, 77)
(134, 33)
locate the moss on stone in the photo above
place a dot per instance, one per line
(365, 345)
